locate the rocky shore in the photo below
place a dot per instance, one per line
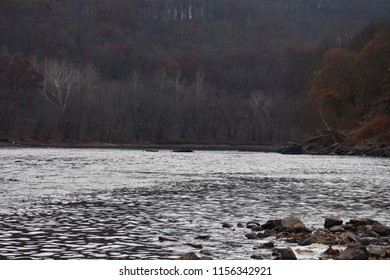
(312, 148)
(290, 239)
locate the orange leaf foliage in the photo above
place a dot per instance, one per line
(373, 127)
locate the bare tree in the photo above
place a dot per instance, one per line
(60, 81)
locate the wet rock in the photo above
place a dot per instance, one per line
(164, 239)
(257, 228)
(377, 252)
(196, 246)
(203, 237)
(251, 236)
(354, 252)
(350, 238)
(308, 241)
(381, 229)
(361, 222)
(268, 245)
(240, 225)
(293, 224)
(227, 225)
(257, 257)
(269, 232)
(252, 224)
(335, 229)
(284, 254)
(292, 149)
(271, 224)
(331, 221)
(332, 252)
(205, 252)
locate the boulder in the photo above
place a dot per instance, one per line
(293, 224)
(271, 224)
(284, 254)
(361, 222)
(354, 252)
(381, 229)
(331, 221)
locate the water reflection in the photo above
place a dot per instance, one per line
(64, 203)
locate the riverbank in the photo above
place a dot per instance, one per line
(290, 239)
(146, 147)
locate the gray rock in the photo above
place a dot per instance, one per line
(350, 238)
(251, 236)
(293, 224)
(268, 245)
(271, 224)
(308, 241)
(331, 221)
(164, 239)
(284, 254)
(257, 228)
(196, 246)
(336, 229)
(269, 232)
(377, 252)
(361, 222)
(227, 225)
(354, 252)
(381, 229)
(257, 257)
(203, 237)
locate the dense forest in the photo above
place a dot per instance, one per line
(194, 71)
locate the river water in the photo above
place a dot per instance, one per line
(119, 204)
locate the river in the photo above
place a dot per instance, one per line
(120, 204)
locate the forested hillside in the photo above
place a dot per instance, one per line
(199, 71)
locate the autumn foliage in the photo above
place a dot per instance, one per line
(352, 84)
(375, 127)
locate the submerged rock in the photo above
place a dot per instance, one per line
(227, 225)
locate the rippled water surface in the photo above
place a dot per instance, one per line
(105, 203)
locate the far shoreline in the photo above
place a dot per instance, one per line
(151, 147)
